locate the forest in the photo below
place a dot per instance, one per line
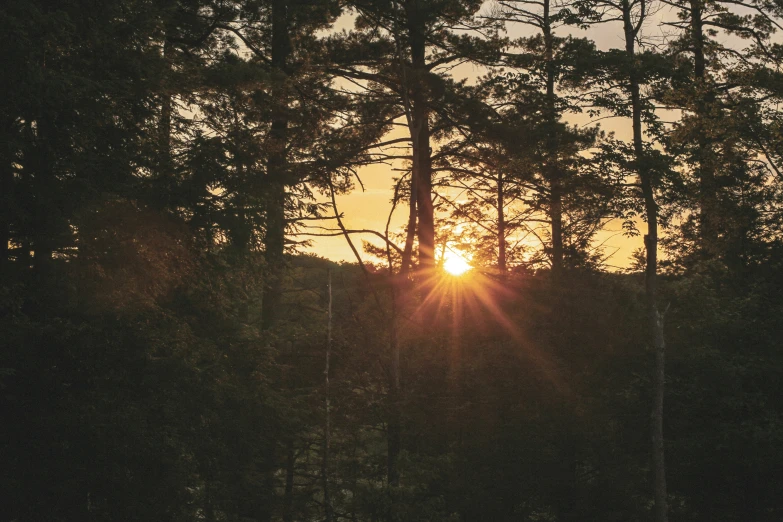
(176, 343)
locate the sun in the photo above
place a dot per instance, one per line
(455, 264)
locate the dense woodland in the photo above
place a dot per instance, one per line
(168, 352)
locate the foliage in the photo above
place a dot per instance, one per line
(163, 339)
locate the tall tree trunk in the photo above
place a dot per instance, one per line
(274, 238)
(328, 511)
(705, 170)
(277, 167)
(394, 417)
(407, 253)
(655, 322)
(422, 166)
(420, 223)
(166, 110)
(394, 428)
(165, 175)
(45, 182)
(553, 171)
(394, 420)
(240, 233)
(458, 391)
(501, 224)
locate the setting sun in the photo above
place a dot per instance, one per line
(455, 264)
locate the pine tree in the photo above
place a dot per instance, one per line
(714, 138)
(633, 71)
(406, 49)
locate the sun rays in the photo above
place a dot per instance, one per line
(459, 293)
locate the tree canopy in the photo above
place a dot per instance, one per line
(171, 349)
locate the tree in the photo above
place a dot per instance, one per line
(405, 49)
(501, 163)
(631, 70)
(713, 139)
(552, 64)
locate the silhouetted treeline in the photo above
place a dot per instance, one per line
(168, 352)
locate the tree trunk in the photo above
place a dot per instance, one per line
(501, 224)
(394, 416)
(164, 124)
(240, 234)
(162, 196)
(328, 511)
(705, 170)
(46, 213)
(651, 284)
(420, 223)
(407, 252)
(552, 168)
(277, 166)
(659, 382)
(274, 238)
(422, 165)
(394, 428)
